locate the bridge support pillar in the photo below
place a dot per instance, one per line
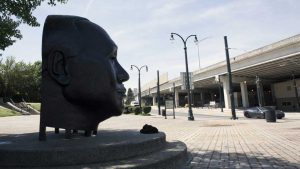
(154, 103)
(244, 93)
(226, 93)
(176, 98)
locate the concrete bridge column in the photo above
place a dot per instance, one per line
(202, 98)
(244, 92)
(236, 100)
(226, 93)
(154, 99)
(176, 97)
(273, 95)
(212, 98)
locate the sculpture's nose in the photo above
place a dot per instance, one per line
(122, 75)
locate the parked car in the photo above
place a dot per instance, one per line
(259, 112)
(134, 103)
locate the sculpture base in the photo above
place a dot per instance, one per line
(108, 149)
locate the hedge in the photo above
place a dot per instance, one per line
(147, 109)
(136, 110)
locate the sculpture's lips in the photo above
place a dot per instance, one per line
(121, 92)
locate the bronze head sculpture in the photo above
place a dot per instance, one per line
(81, 77)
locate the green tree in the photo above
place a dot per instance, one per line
(15, 12)
(19, 80)
(7, 76)
(129, 96)
(33, 79)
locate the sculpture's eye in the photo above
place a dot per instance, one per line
(113, 60)
(112, 55)
(114, 64)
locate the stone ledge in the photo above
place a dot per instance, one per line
(24, 150)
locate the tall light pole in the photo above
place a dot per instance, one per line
(230, 80)
(158, 93)
(190, 113)
(139, 94)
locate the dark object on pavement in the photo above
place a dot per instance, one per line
(270, 115)
(81, 77)
(260, 112)
(163, 112)
(148, 129)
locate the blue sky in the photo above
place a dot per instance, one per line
(142, 28)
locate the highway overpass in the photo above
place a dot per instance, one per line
(274, 64)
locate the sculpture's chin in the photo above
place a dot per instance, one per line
(119, 106)
(109, 103)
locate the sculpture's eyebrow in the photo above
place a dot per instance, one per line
(113, 53)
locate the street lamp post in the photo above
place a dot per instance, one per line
(190, 113)
(139, 94)
(158, 93)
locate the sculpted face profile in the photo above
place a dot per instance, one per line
(81, 77)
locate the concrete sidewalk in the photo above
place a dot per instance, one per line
(212, 143)
(243, 143)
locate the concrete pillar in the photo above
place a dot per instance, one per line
(273, 95)
(260, 92)
(212, 98)
(244, 92)
(202, 98)
(176, 97)
(226, 93)
(236, 99)
(154, 99)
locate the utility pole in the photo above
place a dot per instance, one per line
(158, 93)
(173, 100)
(230, 80)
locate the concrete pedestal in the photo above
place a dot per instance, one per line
(109, 149)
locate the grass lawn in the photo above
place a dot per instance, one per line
(36, 106)
(7, 112)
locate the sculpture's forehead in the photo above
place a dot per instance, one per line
(95, 37)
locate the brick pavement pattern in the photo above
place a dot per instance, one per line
(212, 142)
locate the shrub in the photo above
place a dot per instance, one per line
(131, 109)
(126, 110)
(147, 109)
(137, 110)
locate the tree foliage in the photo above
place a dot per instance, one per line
(19, 80)
(129, 96)
(15, 12)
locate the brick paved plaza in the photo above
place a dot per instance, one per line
(213, 140)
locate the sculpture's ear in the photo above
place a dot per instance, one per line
(57, 67)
